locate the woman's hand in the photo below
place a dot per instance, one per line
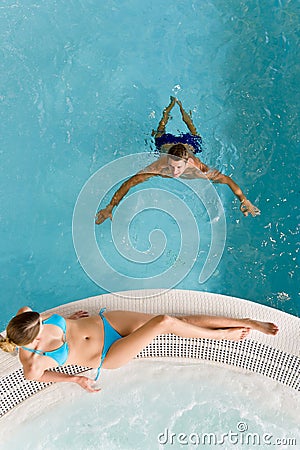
(86, 383)
(246, 207)
(79, 315)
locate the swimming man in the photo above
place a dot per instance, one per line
(177, 160)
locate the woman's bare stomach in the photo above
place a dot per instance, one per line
(85, 341)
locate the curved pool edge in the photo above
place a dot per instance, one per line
(275, 357)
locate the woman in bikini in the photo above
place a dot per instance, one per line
(108, 340)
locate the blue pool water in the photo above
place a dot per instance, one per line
(83, 84)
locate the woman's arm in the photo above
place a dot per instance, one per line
(57, 377)
(35, 372)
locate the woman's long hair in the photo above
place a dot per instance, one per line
(21, 330)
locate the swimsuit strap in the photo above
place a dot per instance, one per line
(102, 310)
(32, 350)
(98, 371)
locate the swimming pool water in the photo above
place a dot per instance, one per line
(83, 84)
(140, 406)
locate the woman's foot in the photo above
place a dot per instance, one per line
(263, 327)
(234, 334)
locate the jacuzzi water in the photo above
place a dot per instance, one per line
(84, 83)
(147, 405)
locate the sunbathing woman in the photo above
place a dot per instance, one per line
(109, 340)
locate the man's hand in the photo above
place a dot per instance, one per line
(246, 207)
(104, 214)
(79, 315)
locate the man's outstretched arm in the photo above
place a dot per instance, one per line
(215, 176)
(106, 213)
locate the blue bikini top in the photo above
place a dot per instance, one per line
(60, 355)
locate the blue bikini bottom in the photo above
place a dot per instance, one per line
(110, 336)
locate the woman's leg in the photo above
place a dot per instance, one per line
(123, 350)
(161, 129)
(126, 322)
(187, 120)
(214, 322)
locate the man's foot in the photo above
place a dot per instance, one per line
(263, 327)
(234, 334)
(181, 107)
(173, 100)
(186, 117)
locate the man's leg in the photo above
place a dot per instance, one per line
(187, 120)
(161, 129)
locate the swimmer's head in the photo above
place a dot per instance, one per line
(21, 330)
(178, 157)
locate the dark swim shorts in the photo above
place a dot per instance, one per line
(187, 138)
